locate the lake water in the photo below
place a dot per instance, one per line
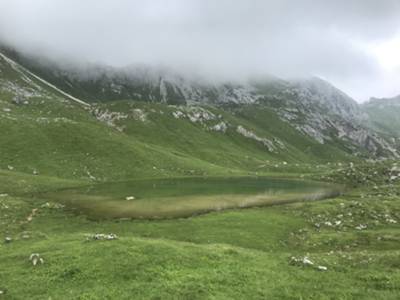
(184, 197)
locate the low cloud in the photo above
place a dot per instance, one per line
(225, 39)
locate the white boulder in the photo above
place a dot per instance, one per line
(36, 259)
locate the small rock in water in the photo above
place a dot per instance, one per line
(36, 259)
(130, 198)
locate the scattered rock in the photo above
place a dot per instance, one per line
(90, 174)
(307, 261)
(36, 259)
(222, 127)
(139, 115)
(251, 135)
(301, 261)
(8, 239)
(52, 205)
(33, 213)
(101, 236)
(10, 168)
(111, 118)
(322, 268)
(361, 227)
(130, 198)
(177, 114)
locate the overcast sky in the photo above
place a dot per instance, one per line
(355, 44)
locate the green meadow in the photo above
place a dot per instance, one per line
(134, 200)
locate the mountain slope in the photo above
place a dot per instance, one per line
(219, 128)
(312, 106)
(384, 115)
(325, 113)
(44, 131)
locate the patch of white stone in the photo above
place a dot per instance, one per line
(251, 135)
(110, 117)
(220, 127)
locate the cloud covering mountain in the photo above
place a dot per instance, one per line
(345, 42)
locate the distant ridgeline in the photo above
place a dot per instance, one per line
(384, 116)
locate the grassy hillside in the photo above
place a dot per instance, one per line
(384, 117)
(48, 143)
(44, 132)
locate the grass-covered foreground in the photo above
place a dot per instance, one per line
(343, 248)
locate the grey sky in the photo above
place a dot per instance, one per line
(351, 43)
